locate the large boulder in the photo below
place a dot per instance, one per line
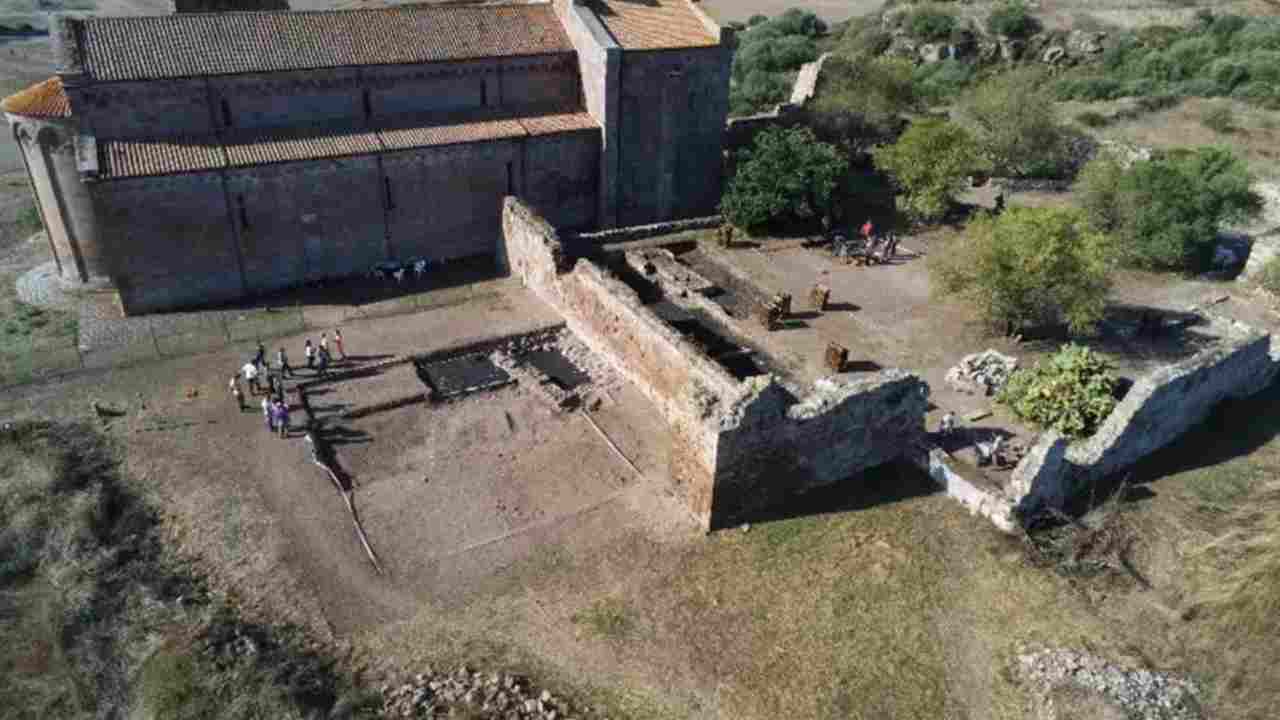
(903, 47)
(1011, 50)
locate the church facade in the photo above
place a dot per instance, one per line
(198, 158)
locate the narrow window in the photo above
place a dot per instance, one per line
(226, 113)
(244, 214)
(484, 92)
(368, 106)
(386, 184)
(511, 185)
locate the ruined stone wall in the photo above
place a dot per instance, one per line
(1158, 409)
(673, 105)
(736, 446)
(772, 446)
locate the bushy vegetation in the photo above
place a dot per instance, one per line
(1219, 119)
(769, 54)
(940, 82)
(879, 91)
(1092, 119)
(1219, 56)
(931, 162)
(29, 220)
(1269, 278)
(87, 593)
(930, 23)
(1012, 19)
(1072, 391)
(1028, 267)
(1165, 212)
(786, 174)
(1012, 118)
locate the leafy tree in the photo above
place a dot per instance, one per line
(1028, 266)
(1012, 19)
(759, 90)
(1012, 118)
(931, 162)
(757, 19)
(879, 90)
(1165, 212)
(1073, 391)
(786, 173)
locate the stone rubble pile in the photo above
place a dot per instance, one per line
(498, 696)
(983, 373)
(1140, 694)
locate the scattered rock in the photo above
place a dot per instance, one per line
(1140, 694)
(981, 373)
(1054, 54)
(1081, 42)
(470, 693)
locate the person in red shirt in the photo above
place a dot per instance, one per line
(867, 229)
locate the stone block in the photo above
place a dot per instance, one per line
(819, 295)
(836, 358)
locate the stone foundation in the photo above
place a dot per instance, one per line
(737, 446)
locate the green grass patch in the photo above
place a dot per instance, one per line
(607, 619)
(29, 220)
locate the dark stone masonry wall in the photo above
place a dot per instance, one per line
(204, 238)
(673, 105)
(159, 108)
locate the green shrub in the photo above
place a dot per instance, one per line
(1156, 103)
(786, 173)
(1165, 212)
(1269, 277)
(760, 91)
(1092, 119)
(930, 23)
(1028, 266)
(931, 162)
(939, 82)
(1013, 19)
(1219, 119)
(1072, 392)
(1088, 89)
(757, 19)
(29, 220)
(1012, 118)
(878, 91)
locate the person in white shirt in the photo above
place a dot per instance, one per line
(251, 377)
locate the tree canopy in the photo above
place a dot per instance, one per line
(1028, 266)
(931, 162)
(786, 173)
(1166, 212)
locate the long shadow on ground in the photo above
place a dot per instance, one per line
(882, 485)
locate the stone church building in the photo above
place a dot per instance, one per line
(201, 157)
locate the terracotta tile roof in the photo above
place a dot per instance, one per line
(562, 122)
(138, 158)
(246, 148)
(653, 24)
(450, 134)
(44, 99)
(263, 147)
(182, 45)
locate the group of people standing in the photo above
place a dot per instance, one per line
(275, 409)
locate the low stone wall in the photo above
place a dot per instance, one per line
(1158, 409)
(736, 446)
(987, 502)
(640, 232)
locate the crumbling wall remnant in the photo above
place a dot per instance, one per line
(736, 446)
(1158, 409)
